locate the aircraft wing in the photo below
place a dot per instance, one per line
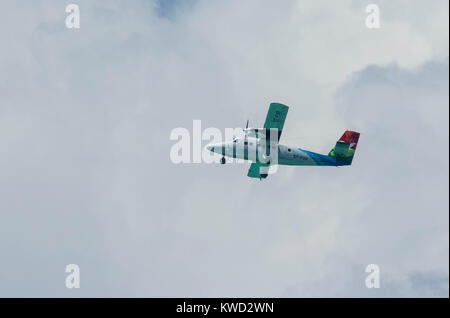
(275, 117)
(254, 171)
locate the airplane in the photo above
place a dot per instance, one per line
(261, 147)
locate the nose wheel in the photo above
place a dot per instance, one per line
(222, 160)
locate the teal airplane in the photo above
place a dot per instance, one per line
(261, 146)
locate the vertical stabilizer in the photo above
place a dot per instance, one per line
(345, 147)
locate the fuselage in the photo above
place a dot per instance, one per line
(256, 150)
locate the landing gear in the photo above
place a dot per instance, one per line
(222, 160)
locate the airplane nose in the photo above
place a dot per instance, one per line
(210, 148)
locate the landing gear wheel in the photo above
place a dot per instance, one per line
(222, 160)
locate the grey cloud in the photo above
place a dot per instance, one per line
(430, 284)
(85, 118)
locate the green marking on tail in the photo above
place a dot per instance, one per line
(345, 147)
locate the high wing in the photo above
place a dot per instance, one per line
(255, 172)
(274, 120)
(275, 117)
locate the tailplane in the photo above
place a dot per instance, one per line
(345, 147)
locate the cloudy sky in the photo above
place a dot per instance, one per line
(86, 176)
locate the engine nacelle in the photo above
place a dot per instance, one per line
(264, 159)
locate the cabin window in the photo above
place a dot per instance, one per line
(289, 149)
(245, 143)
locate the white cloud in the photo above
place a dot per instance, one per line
(84, 134)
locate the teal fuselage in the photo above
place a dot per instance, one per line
(251, 149)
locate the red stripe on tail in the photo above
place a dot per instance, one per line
(350, 137)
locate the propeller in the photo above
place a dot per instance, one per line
(246, 128)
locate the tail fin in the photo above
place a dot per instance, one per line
(345, 147)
